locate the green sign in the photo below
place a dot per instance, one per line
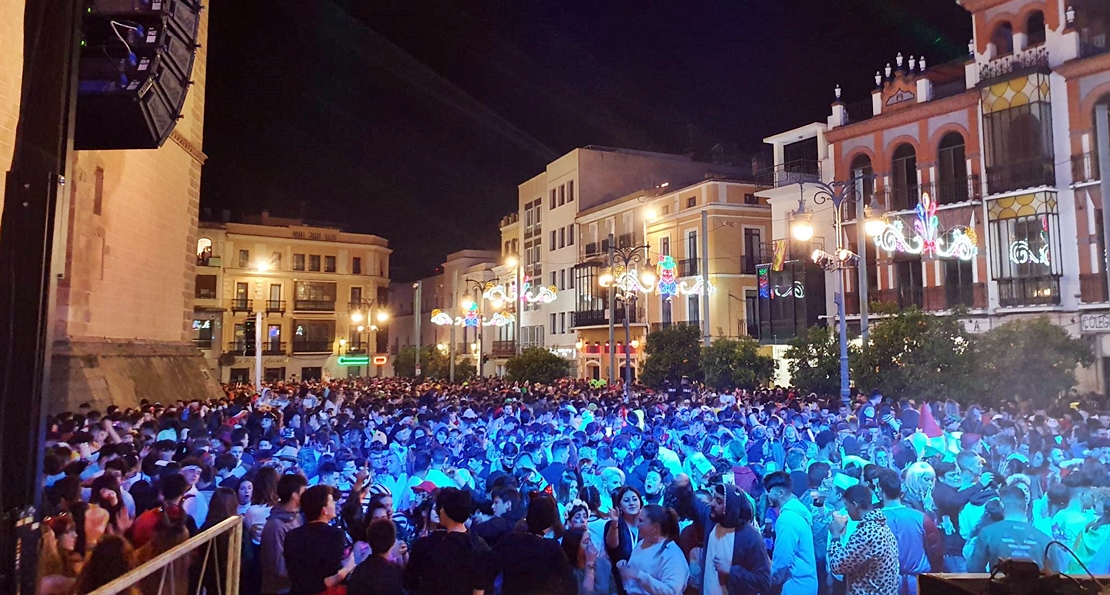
(354, 360)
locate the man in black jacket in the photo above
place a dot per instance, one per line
(451, 561)
(734, 557)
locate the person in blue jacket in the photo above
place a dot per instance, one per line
(734, 557)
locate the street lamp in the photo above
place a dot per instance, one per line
(627, 281)
(839, 193)
(361, 311)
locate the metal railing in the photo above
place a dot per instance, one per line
(182, 554)
(209, 261)
(688, 267)
(275, 306)
(947, 192)
(1020, 175)
(1093, 41)
(241, 305)
(658, 326)
(312, 346)
(791, 172)
(859, 111)
(1084, 168)
(1029, 291)
(314, 305)
(205, 294)
(949, 89)
(202, 343)
(503, 349)
(902, 198)
(582, 318)
(247, 347)
(1034, 58)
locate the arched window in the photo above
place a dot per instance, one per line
(1034, 29)
(903, 177)
(204, 251)
(865, 184)
(952, 181)
(1003, 38)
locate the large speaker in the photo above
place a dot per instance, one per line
(136, 63)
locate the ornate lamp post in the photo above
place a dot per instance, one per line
(627, 280)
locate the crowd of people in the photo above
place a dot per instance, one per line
(388, 486)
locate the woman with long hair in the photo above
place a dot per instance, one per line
(111, 559)
(106, 494)
(657, 565)
(918, 487)
(567, 491)
(59, 562)
(245, 492)
(263, 499)
(582, 554)
(623, 528)
(529, 562)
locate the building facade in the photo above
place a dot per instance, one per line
(322, 294)
(544, 229)
(665, 226)
(985, 170)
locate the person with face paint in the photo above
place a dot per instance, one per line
(734, 557)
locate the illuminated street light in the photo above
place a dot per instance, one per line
(356, 316)
(383, 316)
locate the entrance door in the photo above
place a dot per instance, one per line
(312, 373)
(273, 338)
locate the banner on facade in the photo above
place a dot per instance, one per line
(779, 258)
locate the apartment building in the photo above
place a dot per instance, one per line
(1000, 147)
(543, 237)
(663, 228)
(322, 293)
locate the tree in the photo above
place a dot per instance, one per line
(671, 354)
(1032, 360)
(813, 361)
(536, 364)
(433, 364)
(912, 354)
(736, 363)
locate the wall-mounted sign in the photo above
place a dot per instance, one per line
(1094, 323)
(381, 360)
(354, 360)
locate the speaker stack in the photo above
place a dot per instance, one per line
(135, 69)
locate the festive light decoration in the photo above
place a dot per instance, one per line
(696, 288)
(470, 318)
(667, 287)
(507, 293)
(796, 290)
(499, 319)
(441, 318)
(764, 282)
(1022, 253)
(959, 242)
(629, 281)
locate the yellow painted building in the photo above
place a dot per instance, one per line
(307, 281)
(668, 221)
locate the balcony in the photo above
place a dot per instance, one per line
(902, 198)
(312, 346)
(1031, 59)
(1029, 291)
(1084, 168)
(242, 305)
(202, 343)
(584, 318)
(688, 267)
(314, 305)
(207, 260)
(598, 348)
(658, 326)
(859, 111)
(205, 294)
(1020, 175)
(949, 89)
(503, 349)
(791, 172)
(947, 192)
(1092, 288)
(909, 297)
(275, 306)
(626, 240)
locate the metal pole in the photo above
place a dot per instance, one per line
(627, 356)
(454, 307)
(861, 239)
(845, 391)
(706, 332)
(519, 301)
(416, 323)
(258, 351)
(612, 317)
(1102, 124)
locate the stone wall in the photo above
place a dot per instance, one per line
(11, 78)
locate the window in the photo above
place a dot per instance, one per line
(98, 194)
(314, 262)
(562, 195)
(356, 294)
(204, 251)
(202, 333)
(552, 323)
(562, 237)
(911, 288)
(562, 322)
(206, 287)
(298, 262)
(313, 335)
(904, 178)
(1035, 29)
(751, 199)
(551, 247)
(570, 235)
(570, 280)
(553, 279)
(665, 245)
(356, 265)
(952, 181)
(275, 261)
(693, 312)
(1003, 38)
(1019, 145)
(562, 279)
(1024, 233)
(553, 199)
(691, 202)
(570, 191)
(666, 312)
(865, 184)
(329, 264)
(751, 313)
(316, 296)
(752, 240)
(244, 258)
(958, 287)
(691, 244)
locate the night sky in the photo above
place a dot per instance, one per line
(416, 120)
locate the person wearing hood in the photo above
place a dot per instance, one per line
(794, 565)
(869, 558)
(734, 557)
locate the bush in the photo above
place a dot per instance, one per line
(671, 354)
(736, 363)
(536, 364)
